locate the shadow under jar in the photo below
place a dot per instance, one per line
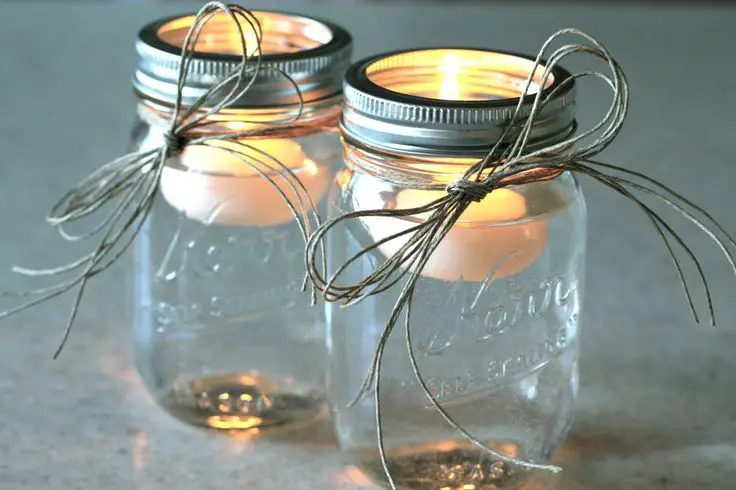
(495, 313)
(224, 336)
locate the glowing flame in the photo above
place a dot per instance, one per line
(450, 87)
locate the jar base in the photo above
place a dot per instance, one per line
(242, 403)
(444, 465)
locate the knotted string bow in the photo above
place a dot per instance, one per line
(130, 183)
(509, 163)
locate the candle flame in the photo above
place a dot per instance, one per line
(450, 87)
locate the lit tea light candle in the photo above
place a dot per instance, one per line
(493, 236)
(212, 185)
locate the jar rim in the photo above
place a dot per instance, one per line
(382, 117)
(315, 55)
(339, 38)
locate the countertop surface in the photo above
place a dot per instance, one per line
(658, 392)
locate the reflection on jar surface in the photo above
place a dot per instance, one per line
(225, 336)
(494, 317)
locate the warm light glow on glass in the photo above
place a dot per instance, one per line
(456, 74)
(233, 422)
(280, 34)
(310, 167)
(343, 178)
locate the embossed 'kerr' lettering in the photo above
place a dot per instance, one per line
(240, 255)
(494, 311)
(476, 379)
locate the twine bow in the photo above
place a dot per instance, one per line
(131, 182)
(508, 163)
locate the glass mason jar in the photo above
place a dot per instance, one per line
(224, 336)
(494, 322)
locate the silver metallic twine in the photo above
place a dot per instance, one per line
(129, 185)
(509, 162)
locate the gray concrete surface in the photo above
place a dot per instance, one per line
(658, 404)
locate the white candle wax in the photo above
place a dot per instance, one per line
(491, 236)
(211, 185)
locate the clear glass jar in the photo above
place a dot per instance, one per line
(494, 322)
(225, 337)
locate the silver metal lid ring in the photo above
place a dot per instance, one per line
(390, 105)
(314, 53)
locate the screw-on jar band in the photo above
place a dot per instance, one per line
(448, 102)
(314, 53)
